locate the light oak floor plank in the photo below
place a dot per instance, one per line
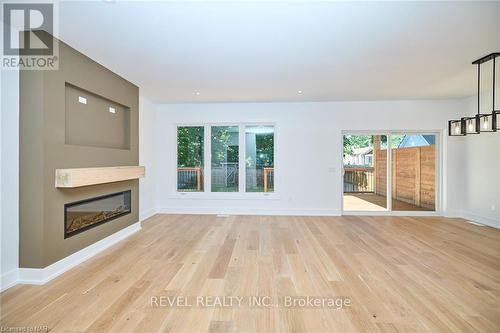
(400, 274)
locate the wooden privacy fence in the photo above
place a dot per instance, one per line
(413, 175)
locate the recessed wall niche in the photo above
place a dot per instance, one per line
(93, 120)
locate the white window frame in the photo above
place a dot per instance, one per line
(207, 165)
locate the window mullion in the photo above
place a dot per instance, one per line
(241, 160)
(207, 158)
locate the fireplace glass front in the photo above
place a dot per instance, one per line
(83, 215)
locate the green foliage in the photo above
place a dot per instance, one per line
(265, 149)
(224, 146)
(396, 140)
(361, 141)
(355, 141)
(224, 143)
(190, 147)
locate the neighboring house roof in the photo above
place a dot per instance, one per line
(362, 151)
(417, 140)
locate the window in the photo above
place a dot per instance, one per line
(225, 158)
(259, 158)
(190, 155)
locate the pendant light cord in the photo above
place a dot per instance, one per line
(494, 58)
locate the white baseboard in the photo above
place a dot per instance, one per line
(146, 214)
(452, 214)
(9, 279)
(249, 211)
(39, 276)
(481, 219)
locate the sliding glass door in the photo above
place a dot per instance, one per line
(402, 178)
(365, 172)
(413, 172)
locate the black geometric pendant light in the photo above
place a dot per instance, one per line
(481, 122)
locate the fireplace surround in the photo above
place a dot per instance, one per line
(89, 213)
(44, 149)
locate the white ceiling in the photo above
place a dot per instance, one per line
(268, 51)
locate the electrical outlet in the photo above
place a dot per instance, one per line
(493, 208)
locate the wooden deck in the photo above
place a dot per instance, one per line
(401, 274)
(375, 202)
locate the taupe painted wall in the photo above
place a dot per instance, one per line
(43, 149)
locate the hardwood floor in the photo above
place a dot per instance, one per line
(399, 273)
(375, 202)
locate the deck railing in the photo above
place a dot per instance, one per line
(268, 179)
(190, 179)
(358, 180)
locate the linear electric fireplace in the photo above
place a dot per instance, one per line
(86, 214)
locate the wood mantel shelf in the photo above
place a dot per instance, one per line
(69, 178)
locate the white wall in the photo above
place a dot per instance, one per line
(308, 142)
(147, 156)
(481, 174)
(9, 194)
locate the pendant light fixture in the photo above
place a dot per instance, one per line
(481, 122)
(456, 127)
